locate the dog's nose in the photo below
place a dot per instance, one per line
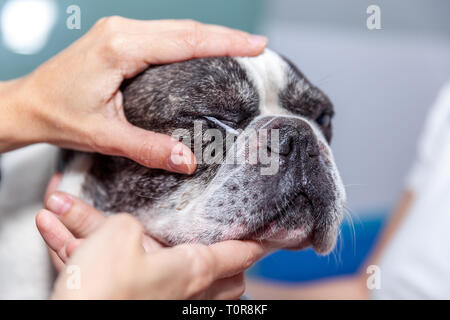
(295, 139)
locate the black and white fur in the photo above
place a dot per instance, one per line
(301, 205)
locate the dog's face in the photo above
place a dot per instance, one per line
(298, 202)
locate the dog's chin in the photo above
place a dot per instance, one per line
(290, 234)
(298, 239)
(281, 238)
(278, 237)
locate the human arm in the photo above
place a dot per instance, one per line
(74, 99)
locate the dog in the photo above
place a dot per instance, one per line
(301, 204)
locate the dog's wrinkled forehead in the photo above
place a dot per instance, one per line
(232, 90)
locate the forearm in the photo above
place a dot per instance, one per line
(339, 288)
(18, 124)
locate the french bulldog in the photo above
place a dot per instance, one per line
(299, 204)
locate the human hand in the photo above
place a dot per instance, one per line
(110, 254)
(73, 100)
(70, 222)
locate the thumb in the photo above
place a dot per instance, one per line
(151, 149)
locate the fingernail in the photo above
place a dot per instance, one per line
(257, 40)
(59, 204)
(181, 159)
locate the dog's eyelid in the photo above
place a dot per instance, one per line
(223, 125)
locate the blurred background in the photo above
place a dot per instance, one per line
(381, 82)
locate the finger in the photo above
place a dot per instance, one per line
(234, 256)
(226, 289)
(120, 230)
(77, 216)
(150, 149)
(133, 53)
(200, 42)
(150, 244)
(54, 233)
(72, 245)
(57, 263)
(118, 24)
(52, 185)
(196, 39)
(198, 266)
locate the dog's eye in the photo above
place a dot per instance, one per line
(324, 120)
(223, 125)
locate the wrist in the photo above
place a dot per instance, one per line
(19, 125)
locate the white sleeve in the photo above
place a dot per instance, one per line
(437, 127)
(416, 262)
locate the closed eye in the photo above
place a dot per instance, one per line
(224, 126)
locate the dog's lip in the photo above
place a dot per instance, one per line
(305, 243)
(298, 238)
(268, 224)
(271, 231)
(281, 238)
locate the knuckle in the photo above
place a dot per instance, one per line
(115, 43)
(201, 265)
(103, 141)
(107, 24)
(205, 259)
(145, 152)
(191, 36)
(79, 217)
(111, 48)
(191, 24)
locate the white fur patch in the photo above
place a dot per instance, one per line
(268, 73)
(75, 174)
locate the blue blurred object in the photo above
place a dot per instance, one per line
(352, 249)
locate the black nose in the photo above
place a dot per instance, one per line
(295, 139)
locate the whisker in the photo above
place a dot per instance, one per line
(324, 79)
(349, 218)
